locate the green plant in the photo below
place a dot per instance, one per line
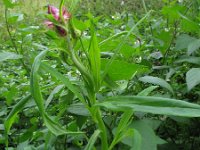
(88, 81)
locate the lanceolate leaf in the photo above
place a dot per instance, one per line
(147, 91)
(95, 63)
(92, 140)
(155, 105)
(190, 59)
(63, 79)
(53, 126)
(193, 78)
(17, 108)
(9, 55)
(157, 81)
(34, 85)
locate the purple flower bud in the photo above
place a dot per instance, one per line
(55, 12)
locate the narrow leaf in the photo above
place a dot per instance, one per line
(157, 81)
(155, 105)
(17, 108)
(147, 91)
(63, 79)
(9, 55)
(94, 56)
(53, 126)
(55, 91)
(92, 140)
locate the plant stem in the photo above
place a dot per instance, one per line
(78, 64)
(103, 134)
(12, 39)
(100, 124)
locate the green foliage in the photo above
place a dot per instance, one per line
(121, 78)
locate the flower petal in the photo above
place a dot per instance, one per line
(48, 23)
(54, 11)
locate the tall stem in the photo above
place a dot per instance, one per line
(12, 39)
(100, 124)
(103, 134)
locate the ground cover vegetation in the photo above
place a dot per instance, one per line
(100, 74)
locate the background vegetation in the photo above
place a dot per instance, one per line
(156, 49)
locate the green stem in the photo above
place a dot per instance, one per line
(100, 123)
(78, 64)
(12, 39)
(103, 134)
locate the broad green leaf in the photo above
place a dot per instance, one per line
(157, 81)
(9, 55)
(12, 115)
(183, 41)
(79, 24)
(189, 25)
(121, 70)
(92, 140)
(119, 47)
(193, 46)
(155, 105)
(8, 4)
(134, 139)
(147, 133)
(78, 109)
(192, 78)
(14, 18)
(147, 91)
(173, 11)
(137, 140)
(95, 63)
